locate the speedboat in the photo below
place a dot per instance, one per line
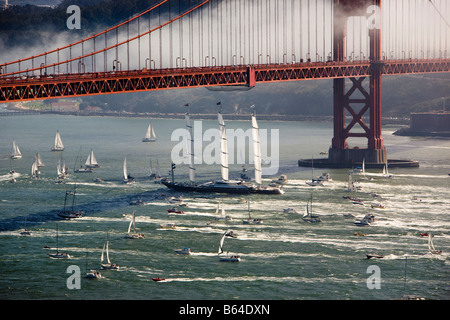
(59, 255)
(185, 250)
(158, 279)
(174, 210)
(168, 226)
(374, 255)
(290, 210)
(282, 179)
(377, 206)
(93, 274)
(252, 221)
(232, 258)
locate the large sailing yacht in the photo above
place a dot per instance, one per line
(224, 185)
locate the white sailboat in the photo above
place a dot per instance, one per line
(150, 135)
(228, 258)
(431, 247)
(38, 160)
(58, 254)
(16, 154)
(58, 144)
(35, 170)
(309, 216)
(251, 220)
(80, 169)
(109, 265)
(91, 161)
(126, 177)
(386, 173)
(221, 210)
(133, 235)
(61, 168)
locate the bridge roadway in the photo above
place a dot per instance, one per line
(82, 84)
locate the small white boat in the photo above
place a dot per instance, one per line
(58, 144)
(282, 179)
(228, 258)
(133, 235)
(185, 250)
(109, 265)
(325, 177)
(16, 154)
(150, 135)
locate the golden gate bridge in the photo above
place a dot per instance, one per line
(178, 44)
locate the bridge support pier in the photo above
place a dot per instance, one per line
(345, 101)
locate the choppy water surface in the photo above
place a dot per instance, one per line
(284, 258)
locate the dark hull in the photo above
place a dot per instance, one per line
(215, 189)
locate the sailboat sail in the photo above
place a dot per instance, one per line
(107, 253)
(58, 145)
(190, 148)
(223, 149)
(132, 223)
(39, 160)
(125, 172)
(34, 170)
(256, 150)
(221, 243)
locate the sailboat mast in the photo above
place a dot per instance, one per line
(191, 151)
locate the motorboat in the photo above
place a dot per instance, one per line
(289, 210)
(158, 279)
(282, 179)
(366, 221)
(93, 274)
(174, 210)
(168, 226)
(185, 250)
(374, 256)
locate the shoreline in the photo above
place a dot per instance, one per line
(264, 117)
